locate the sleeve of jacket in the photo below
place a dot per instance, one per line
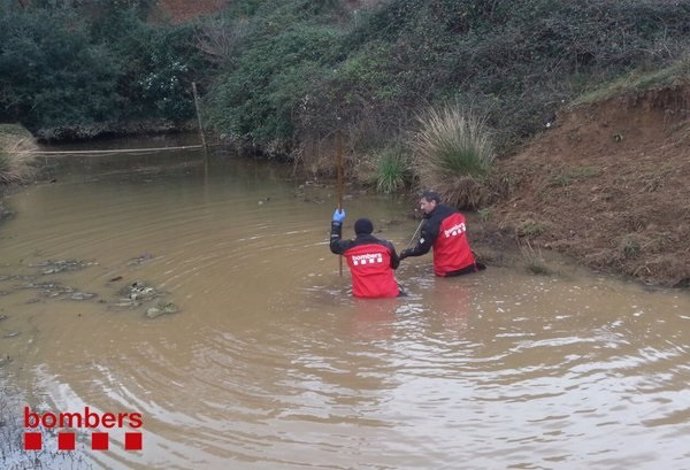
(395, 259)
(426, 239)
(337, 245)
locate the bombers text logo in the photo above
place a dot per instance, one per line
(66, 423)
(369, 258)
(454, 230)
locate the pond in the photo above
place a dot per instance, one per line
(266, 360)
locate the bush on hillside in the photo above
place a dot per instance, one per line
(453, 155)
(261, 98)
(156, 64)
(519, 60)
(516, 61)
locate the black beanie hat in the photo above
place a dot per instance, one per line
(363, 227)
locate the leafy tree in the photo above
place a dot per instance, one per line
(50, 74)
(69, 65)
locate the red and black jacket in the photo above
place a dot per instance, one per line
(446, 231)
(371, 263)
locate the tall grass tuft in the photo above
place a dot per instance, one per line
(534, 261)
(392, 170)
(453, 154)
(16, 155)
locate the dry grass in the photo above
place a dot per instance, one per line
(534, 260)
(453, 154)
(16, 155)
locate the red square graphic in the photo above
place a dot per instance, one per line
(32, 441)
(66, 441)
(99, 441)
(133, 441)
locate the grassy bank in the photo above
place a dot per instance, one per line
(291, 72)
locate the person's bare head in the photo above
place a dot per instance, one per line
(429, 201)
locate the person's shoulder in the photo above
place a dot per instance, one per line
(446, 210)
(378, 239)
(388, 243)
(381, 241)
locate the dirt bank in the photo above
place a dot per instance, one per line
(608, 184)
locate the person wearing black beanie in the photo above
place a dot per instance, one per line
(363, 227)
(371, 260)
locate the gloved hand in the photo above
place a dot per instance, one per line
(405, 253)
(339, 215)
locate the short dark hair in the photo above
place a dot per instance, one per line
(432, 196)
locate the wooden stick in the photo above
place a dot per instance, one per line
(414, 235)
(198, 117)
(341, 183)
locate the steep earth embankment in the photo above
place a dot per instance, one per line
(609, 184)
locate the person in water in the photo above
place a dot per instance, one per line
(445, 230)
(371, 260)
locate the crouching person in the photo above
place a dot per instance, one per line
(370, 259)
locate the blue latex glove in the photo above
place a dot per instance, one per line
(339, 215)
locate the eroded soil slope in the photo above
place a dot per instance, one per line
(610, 185)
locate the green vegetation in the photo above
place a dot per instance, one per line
(629, 246)
(639, 80)
(392, 170)
(454, 153)
(293, 73)
(280, 77)
(69, 73)
(530, 229)
(568, 175)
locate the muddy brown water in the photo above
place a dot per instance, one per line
(271, 364)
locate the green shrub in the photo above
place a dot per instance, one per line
(50, 73)
(530, 228)
(629, 246)
(392, 170)
(260, 99)
(156, 64)
(62, 66)
(453, 154)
